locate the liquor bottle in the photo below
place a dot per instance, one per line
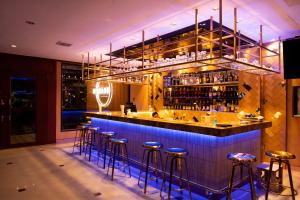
(207, 78)
(200, 78)
(229, 76)
(203, 78)
(225, 77)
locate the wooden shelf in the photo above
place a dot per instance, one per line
(206, 84)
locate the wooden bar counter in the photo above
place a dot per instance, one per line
(208, 146)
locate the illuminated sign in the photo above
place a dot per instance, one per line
(103, 92)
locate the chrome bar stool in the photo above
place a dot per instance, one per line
(177, 155)
(116, 146)
(105, 136)
(79, 137)
(241, 160)
(280, 157)
(90, 139)
(152, 149)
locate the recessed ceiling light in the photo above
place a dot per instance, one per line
(215, 8)
(13, 46)
(30, 22)
(64, 44)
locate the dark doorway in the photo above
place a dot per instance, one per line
(23, 110)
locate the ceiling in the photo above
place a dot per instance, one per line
(91, 25)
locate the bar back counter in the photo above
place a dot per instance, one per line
(208, 145)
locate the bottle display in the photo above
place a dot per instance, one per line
(204, 91)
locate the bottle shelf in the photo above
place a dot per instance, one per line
(223, 98)
(235, 83)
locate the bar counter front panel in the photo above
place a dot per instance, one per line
(207, 162)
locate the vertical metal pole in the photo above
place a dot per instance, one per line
(110, 50)
(82, 67)
(88, 75)
(234, 33)
(221, 24)
(211, 27)
(95, 59)
(279, 51)
(239, 42)
(157, 40)
(100, 64)
(262, 98)
(124, 59)
(196, 34)
(260, 46)
(143, 48)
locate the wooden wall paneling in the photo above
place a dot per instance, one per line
(44, 70)
(139, 96)
(4, 110)
(251, 100)
(120, 96)
(274, 101)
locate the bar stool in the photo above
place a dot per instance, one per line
(106, 137)
(242, 160)
(79, 136)
(176, 155)
(90, 138)
(116, 145)
(151, 148)
(280, 157)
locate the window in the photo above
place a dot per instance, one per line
(73, 96)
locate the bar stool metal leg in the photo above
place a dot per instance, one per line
(156, 165)
(269, 179)
(106, 146)
(231, 182)
(188, 178)
(142, 165)
(113, 161)
(92, 134)
(147, 169)
(75, 140)
(127, 158)
(164, 176)
(253, 194)
(291, 179)
(171, 177)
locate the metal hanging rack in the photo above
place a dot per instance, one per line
(219, 54)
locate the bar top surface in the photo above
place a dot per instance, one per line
(188, 126)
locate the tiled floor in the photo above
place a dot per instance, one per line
(53, 172)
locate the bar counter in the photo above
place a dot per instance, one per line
(181, 125)
(208, 146)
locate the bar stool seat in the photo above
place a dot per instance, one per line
(280, 157)
(152, 145)
(177, 152)
(242, 160)
(177, 155)
(151, 148)
(108, 133)
(241, 157)
(119, 140)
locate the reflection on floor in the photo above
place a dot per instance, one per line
(53, 172)
(22, 138)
